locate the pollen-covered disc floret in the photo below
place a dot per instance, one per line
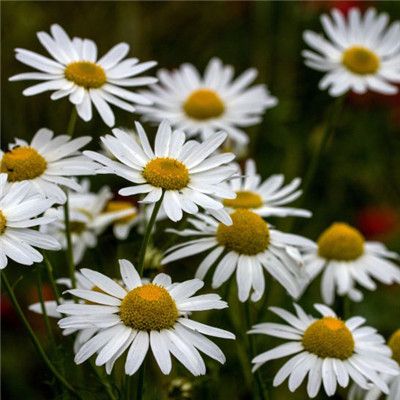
(249, 233)
(149, 307)
(166, 173)
(22, 163)
(360, 52)
(329, 351)
(394, 344)
(329, 337)
(360, 60)
(341, 242)
(86, 74)
(3, 223)
(203, 104)
(244, 199)
(132, 316)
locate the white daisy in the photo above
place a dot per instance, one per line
(87, 220)
(329, 350)
(47, 162)
(138, 315)
(19, 205)
(347, 259)
(361, 53)
(184, 172)
(205, 105)
(248, 246)
(76, 72)
(375, 393)
(267, 198)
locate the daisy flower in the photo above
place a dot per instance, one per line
(184, 172)
(139, 316)
(360, 54)
(393, 382)
(205, 105)
(347, 259)
(47, 162)
(19, 205)
(87, 219)
(329, 350)
(267, 198)
(76, 72)
(248, 246)
(123, 225)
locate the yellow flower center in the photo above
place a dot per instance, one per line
(166, 173)
(329, 337)
(249, 233)
(360, 60)
(113, 206)
(86, 74)
(340, 242)
(244, 199)
(149, 307)
(22, 163)
(204, 104)
(3, 222)
(394, 344)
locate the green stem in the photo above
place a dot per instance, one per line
(50, 274)
(139, 390)
(147, 235)
(105, 383)
(70, 256)
(333, 116)
(34, 339)
(72, 122)
(262, 390)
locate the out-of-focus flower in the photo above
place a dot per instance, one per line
(206, 105)
(87, 220)
(248, 246)
(362, 52)
(180, 389)
(47, 162)
(346, 259)
(19, 205)
(378, 222)
(76, 72)
(329, 350)
(185, 172)
(138, 315)
(267, 198)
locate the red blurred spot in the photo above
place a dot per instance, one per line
(343, 6)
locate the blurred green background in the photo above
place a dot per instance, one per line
(358, 179)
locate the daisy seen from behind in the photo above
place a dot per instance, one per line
(205, 105)
(47, 162)
(246, 247)
(183, 173)
(20, 209)
(87, 219)
(329, 350)
(138, 316)
(361, 53)
(75, 71)
(267, 198)
(346, 259)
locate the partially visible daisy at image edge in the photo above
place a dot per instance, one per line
(186, 173)
(247, 247)
(346, 259)
(47, 162)
(75, 71)
(329, 350)
(20, 209)
(205, 105)
(361, 53)
(267, 198)
(136, 316)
